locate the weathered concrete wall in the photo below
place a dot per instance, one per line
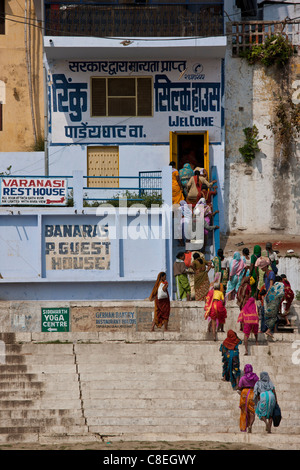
(262, 196)
(115, 320)
(22, 111)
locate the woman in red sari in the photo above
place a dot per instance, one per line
(161, 299)
(287, 299)
(215, 309)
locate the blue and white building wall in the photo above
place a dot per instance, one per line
(181, 95)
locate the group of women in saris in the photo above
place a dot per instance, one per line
(258, 397)
(187, 192)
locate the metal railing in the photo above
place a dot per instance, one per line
(246, 34)
(172, 19)
(145, 187)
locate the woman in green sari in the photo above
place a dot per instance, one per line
(221, 265)
(254, 270)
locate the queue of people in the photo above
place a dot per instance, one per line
(190, 190)
(263, 297)
(257, 394)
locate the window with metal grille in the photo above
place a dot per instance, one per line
(121, 96)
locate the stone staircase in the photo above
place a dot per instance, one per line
(140, 386)
(39, 392)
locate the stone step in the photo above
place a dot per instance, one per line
(39, 404)
(176, 429)
(39, 377)
(37, 368)
(40, 395)
(37, 429)
(14, 359)
(97, 390)
(8, 385)
(43, 422)
(41, 414)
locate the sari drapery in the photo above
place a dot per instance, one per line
(177, 194)
(214, 306)
(272, 303)
(236, 272)
(231, 358)
(201, 279)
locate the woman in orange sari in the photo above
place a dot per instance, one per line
(161, 299)
(247, 404)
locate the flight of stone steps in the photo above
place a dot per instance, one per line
(141, 386)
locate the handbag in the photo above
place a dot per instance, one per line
(161, 294)
(276, 415)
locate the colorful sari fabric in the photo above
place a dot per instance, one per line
(231, 358)
(161, 311)
(266, 405)
(272, 303)
(249, 313)
(247, 403)
(264, 396)
(244, 292)
(185, 173)
(236, 273)
(214, 306)
(288, 294)
(161, 306)
(177, 194)
(247, 407)
(255, 274)
(194, 187)
(201, 279)
(217, 262)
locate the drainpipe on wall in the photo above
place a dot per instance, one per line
(46, 157)
(27, 39)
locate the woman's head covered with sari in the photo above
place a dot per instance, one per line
(232, 340)
(217, 281)
(262, 262)
(237, 264)
(257, 250)
(249, 378)
(264, 383)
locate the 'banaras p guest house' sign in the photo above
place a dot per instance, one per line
(33, 191)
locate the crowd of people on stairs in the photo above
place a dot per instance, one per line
(192, 192)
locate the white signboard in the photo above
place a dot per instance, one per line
(33, 191)
(186, 96)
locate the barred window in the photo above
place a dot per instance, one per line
(121, 96)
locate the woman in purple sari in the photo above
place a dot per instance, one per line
(247, 405)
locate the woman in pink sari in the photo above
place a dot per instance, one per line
(248, 317)
(237, 268)
(247, 404)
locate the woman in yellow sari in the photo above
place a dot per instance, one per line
(177, 189)
(201, 280)
(247, 404)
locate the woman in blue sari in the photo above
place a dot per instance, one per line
(231, 358)
(185, 173)
(265, 399)
(237, 268)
